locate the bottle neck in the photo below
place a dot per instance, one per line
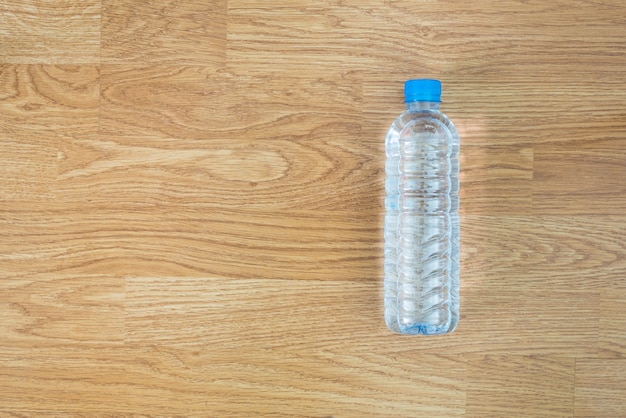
(422, 105)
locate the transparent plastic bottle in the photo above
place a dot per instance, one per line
(421, 220)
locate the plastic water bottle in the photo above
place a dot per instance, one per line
(421, 221)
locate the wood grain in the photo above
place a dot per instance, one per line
(197, 102)
(191, 207)
(156, 380)
(191, 32)
(600, 387)
(613, 321)
(497, 179)
(41, 105)
(202, 242)
(28, 167)
(520, 386)
(88, 310)
(39, 99)
(575, 184)
(48, 32)
(488, 37)
(204, 262)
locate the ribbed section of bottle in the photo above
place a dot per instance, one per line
(424, 241)
(392, 177)
(455, 233)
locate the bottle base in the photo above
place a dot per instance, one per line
(421, 328)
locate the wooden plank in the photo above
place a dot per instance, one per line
(427, 38)
(496, 179)
(600, 388)
(28, 166)
(36, 99)
(560, 252)
(45, 32)
(612, 319)
(337, 171)
(86, 239)
(572, 181)
(192, 32)
(41, 106)
(198, 102)
(157, 380)
(519, 385)
(72, 310)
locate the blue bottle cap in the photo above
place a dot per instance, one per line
(422, 90)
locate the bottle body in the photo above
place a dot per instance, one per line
(421, 222)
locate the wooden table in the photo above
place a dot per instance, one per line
(192, 201)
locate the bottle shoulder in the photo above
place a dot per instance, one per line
(416, 119)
